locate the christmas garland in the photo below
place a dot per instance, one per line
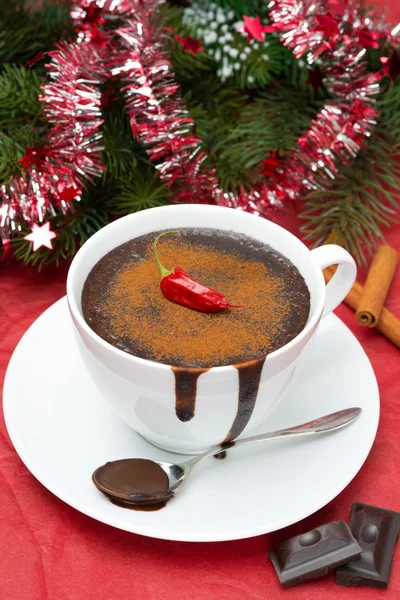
(53, 173)
(127, 38)
(161, 122)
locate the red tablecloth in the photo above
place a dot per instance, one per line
(49, 551)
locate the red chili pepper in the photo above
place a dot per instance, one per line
(176, 285)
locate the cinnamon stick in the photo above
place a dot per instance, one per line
(388, 324)
(377, 286)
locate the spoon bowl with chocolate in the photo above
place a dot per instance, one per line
(148, 485)
(193, 320)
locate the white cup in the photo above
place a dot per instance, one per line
(142, 391)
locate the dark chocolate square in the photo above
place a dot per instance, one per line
(313, 554)
(376, 530)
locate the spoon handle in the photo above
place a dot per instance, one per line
(330, 422)
(327, 423)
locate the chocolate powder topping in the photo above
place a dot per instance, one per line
(122, 301)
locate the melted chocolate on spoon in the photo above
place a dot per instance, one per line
(135, 483)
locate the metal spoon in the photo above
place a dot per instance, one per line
(178, 473)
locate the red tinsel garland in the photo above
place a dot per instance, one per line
(157, 114)
(53, 174)
(160, 120)
(337, 133)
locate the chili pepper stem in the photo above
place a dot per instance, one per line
(163, 270)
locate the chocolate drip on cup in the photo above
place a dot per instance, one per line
(249, 382)
(186, 391)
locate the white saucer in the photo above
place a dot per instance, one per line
(62, 429)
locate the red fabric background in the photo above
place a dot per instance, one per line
(50, 551)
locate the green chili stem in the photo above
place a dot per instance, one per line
(164, 271)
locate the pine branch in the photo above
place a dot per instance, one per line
(20, 37)
(19, 101)
(122, 152)
(12, 149)
(143, 190)
(268, 123)
(251, 8)
(184, 64)
(239, 130)
(10, 154)
(21, 117)
(365, 197)
(26, 30)
(251, 64)
(56, 18)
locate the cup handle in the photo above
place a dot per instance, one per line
(341, 283)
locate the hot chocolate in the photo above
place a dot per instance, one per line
(122, 301)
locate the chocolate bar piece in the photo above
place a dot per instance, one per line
(313, 554)
(377, 531)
